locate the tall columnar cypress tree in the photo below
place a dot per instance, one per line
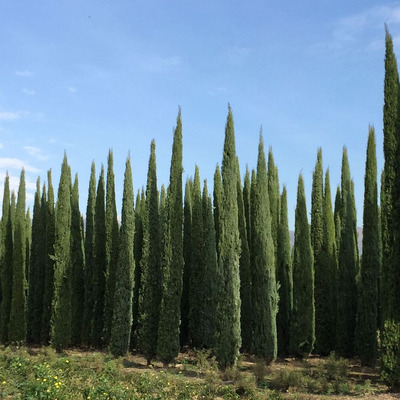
(322, 281)
(228, 310)
(302, 333)
(122, 313)
(89, 260)
(187, 257)
(197, 278)
(245, 271)
(168, 331)
(347, 290)
(217, 200)
(367, 312)
(210, 273)
(284, 276)
(61, 311)
(264, 291)
(337, 218)
(49, 261)
(246, 202)
(112, 237)
(151, 285)
(77, 266)
(273, 194)
(99, 271)
(17, 323)
(6, 263)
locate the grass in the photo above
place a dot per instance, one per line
(40, 373)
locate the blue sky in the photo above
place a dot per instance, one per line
(86, 76)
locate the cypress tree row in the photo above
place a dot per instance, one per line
(168, 345)
(302, 328)
(264, 291)
(245, 272)
(77, 266)
(61, 307)
(151, 284)
(111, 246)
(367, 313)
(122, 313)
(6, 263)
(284, 277)
(89, 260)
(17, 324)
(228, 311)
(49, 261)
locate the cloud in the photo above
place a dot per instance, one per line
(160, 63)
(72, 89)
(218, 90)
(29, 92)
(15, 115)
(9, 115)
(1, 146)
(36, 152)
(16, 163)
(24, 73)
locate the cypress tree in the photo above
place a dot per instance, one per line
(99, 271)
(347, 290)
(284, 277)
(210, 272)
(228, 311)
(246, 202)
(77, 266)
(49, 261)
(111, 246)
(273, 194)
(245, 271)
(366, 337)
(6, 263)
(28, 242)
(337, 218)
(187, 257)
(17, 323)
(61, 311)
(89, 260)
(168, 330)
(218, 193)
(302, 334)
(264, 291)
(122, 313)
(151, 285)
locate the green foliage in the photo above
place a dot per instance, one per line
(61, 311)
(273, 195)
(217, 202)
(390, 357)
(264, 290)
(122, 312)
(246, 202)
(168, 345)
(17, 323)
(151, 289)
(284, 277)
(302, 333)
(228, 310)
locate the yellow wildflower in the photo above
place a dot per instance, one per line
(44, 379)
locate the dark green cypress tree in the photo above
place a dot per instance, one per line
(245, 272)
(273, 194)
(168, 330)
(99, 271)
(122, 313)
(217, 198)
(347, 290)
(77, 266)
(284, 277)
(246, 202)
(28, 242)
(264, 291)
(367, 313)
(49, 261)
(89, 260)
(17, 323)
(13, 207)
(337, 218)
(112, 238)
(197, 278)
(6, 263)
(61, 311)
(151, 285)
(187, 256)
(210, 272)
(302, 333)
(228, 311)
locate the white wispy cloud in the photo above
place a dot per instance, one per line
(156, 63)
(72, 89)
(24, 73)
(218, 90)
(29, 92)
(15, 115)
(9, 115)
(1, 146)
(36, 152)
(7, 163)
